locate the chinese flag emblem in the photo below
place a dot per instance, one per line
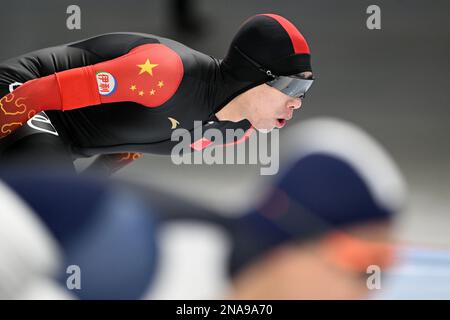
(149, 75)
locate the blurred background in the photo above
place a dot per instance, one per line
(394, 83)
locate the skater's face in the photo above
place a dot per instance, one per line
(269, 108)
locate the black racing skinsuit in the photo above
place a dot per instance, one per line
(114, 130)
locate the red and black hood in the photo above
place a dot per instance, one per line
(271, 41)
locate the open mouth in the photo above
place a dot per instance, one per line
(280, 123)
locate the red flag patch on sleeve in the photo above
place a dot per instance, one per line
(149, 74)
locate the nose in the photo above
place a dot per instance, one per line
(295, 103)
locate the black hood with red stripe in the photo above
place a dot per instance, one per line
(271, 41)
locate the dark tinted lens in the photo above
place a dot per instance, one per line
(294, 87)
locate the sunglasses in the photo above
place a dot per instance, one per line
(294, 86)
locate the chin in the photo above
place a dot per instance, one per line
(263, 126)
(265, 130)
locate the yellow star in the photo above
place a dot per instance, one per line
(160, 84)
(147, 67)
(141, 93)
(152, 92)
(133, 87)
